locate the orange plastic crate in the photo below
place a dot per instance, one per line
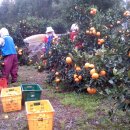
(11, 99)
(3, 83)
(40, 115)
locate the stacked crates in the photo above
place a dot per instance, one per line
(11, 99)
(40, 115)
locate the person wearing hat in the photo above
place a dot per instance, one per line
(73, 34)
(9, 54)
(74, 31)
(50, 34)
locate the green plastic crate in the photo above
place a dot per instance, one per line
(30, 92)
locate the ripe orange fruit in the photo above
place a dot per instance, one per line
(93, 11)
(80, 77)
(92, 28)
(126, 13)
(95, 76)
(92, 71)
(87, 31)
(102, 73)
(57, 73)
(91, 90)
(129, 54)
(57, 80)
(91, 66)
(99, 43)
(98, 34)
(76, 80)
(102, 40)
(68, 60)
(94, 32)
(86, 65)
(78, 68)
(75, 76)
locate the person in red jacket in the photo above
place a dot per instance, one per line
(74, 31)
(73, 34)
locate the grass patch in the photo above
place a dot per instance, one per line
(89, 103)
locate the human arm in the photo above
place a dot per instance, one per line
(1, 41)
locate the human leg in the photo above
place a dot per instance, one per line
(14, 69)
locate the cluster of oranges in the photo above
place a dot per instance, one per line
(92, 31)
(93, 72)
(77, 78)
(100, 41)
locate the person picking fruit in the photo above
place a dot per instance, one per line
(9, 54)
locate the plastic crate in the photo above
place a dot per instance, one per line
(40, 115)
(11, 99)
(31, 92)
(3, 83)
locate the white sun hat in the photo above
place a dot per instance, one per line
(4, 32)
(49, 29)
(74, 27)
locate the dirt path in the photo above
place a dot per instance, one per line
(65, 116)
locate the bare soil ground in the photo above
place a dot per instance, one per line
(65, 116)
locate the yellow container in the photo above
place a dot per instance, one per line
(11, 99)
(40, 115)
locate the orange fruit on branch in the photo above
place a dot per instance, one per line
(91, 66)
(75, 76)
(68, 60)
(126, 13)
(95, 76)
(92, 71)
(76, 80)
(102, 73)
(98, 34)
(57, 80)
(78, 68)
(91, 90)
(86, 65)
(87, 31)
(93, 11)
(80, 77)
(129, 54)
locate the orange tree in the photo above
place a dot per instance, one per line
(103, 62)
